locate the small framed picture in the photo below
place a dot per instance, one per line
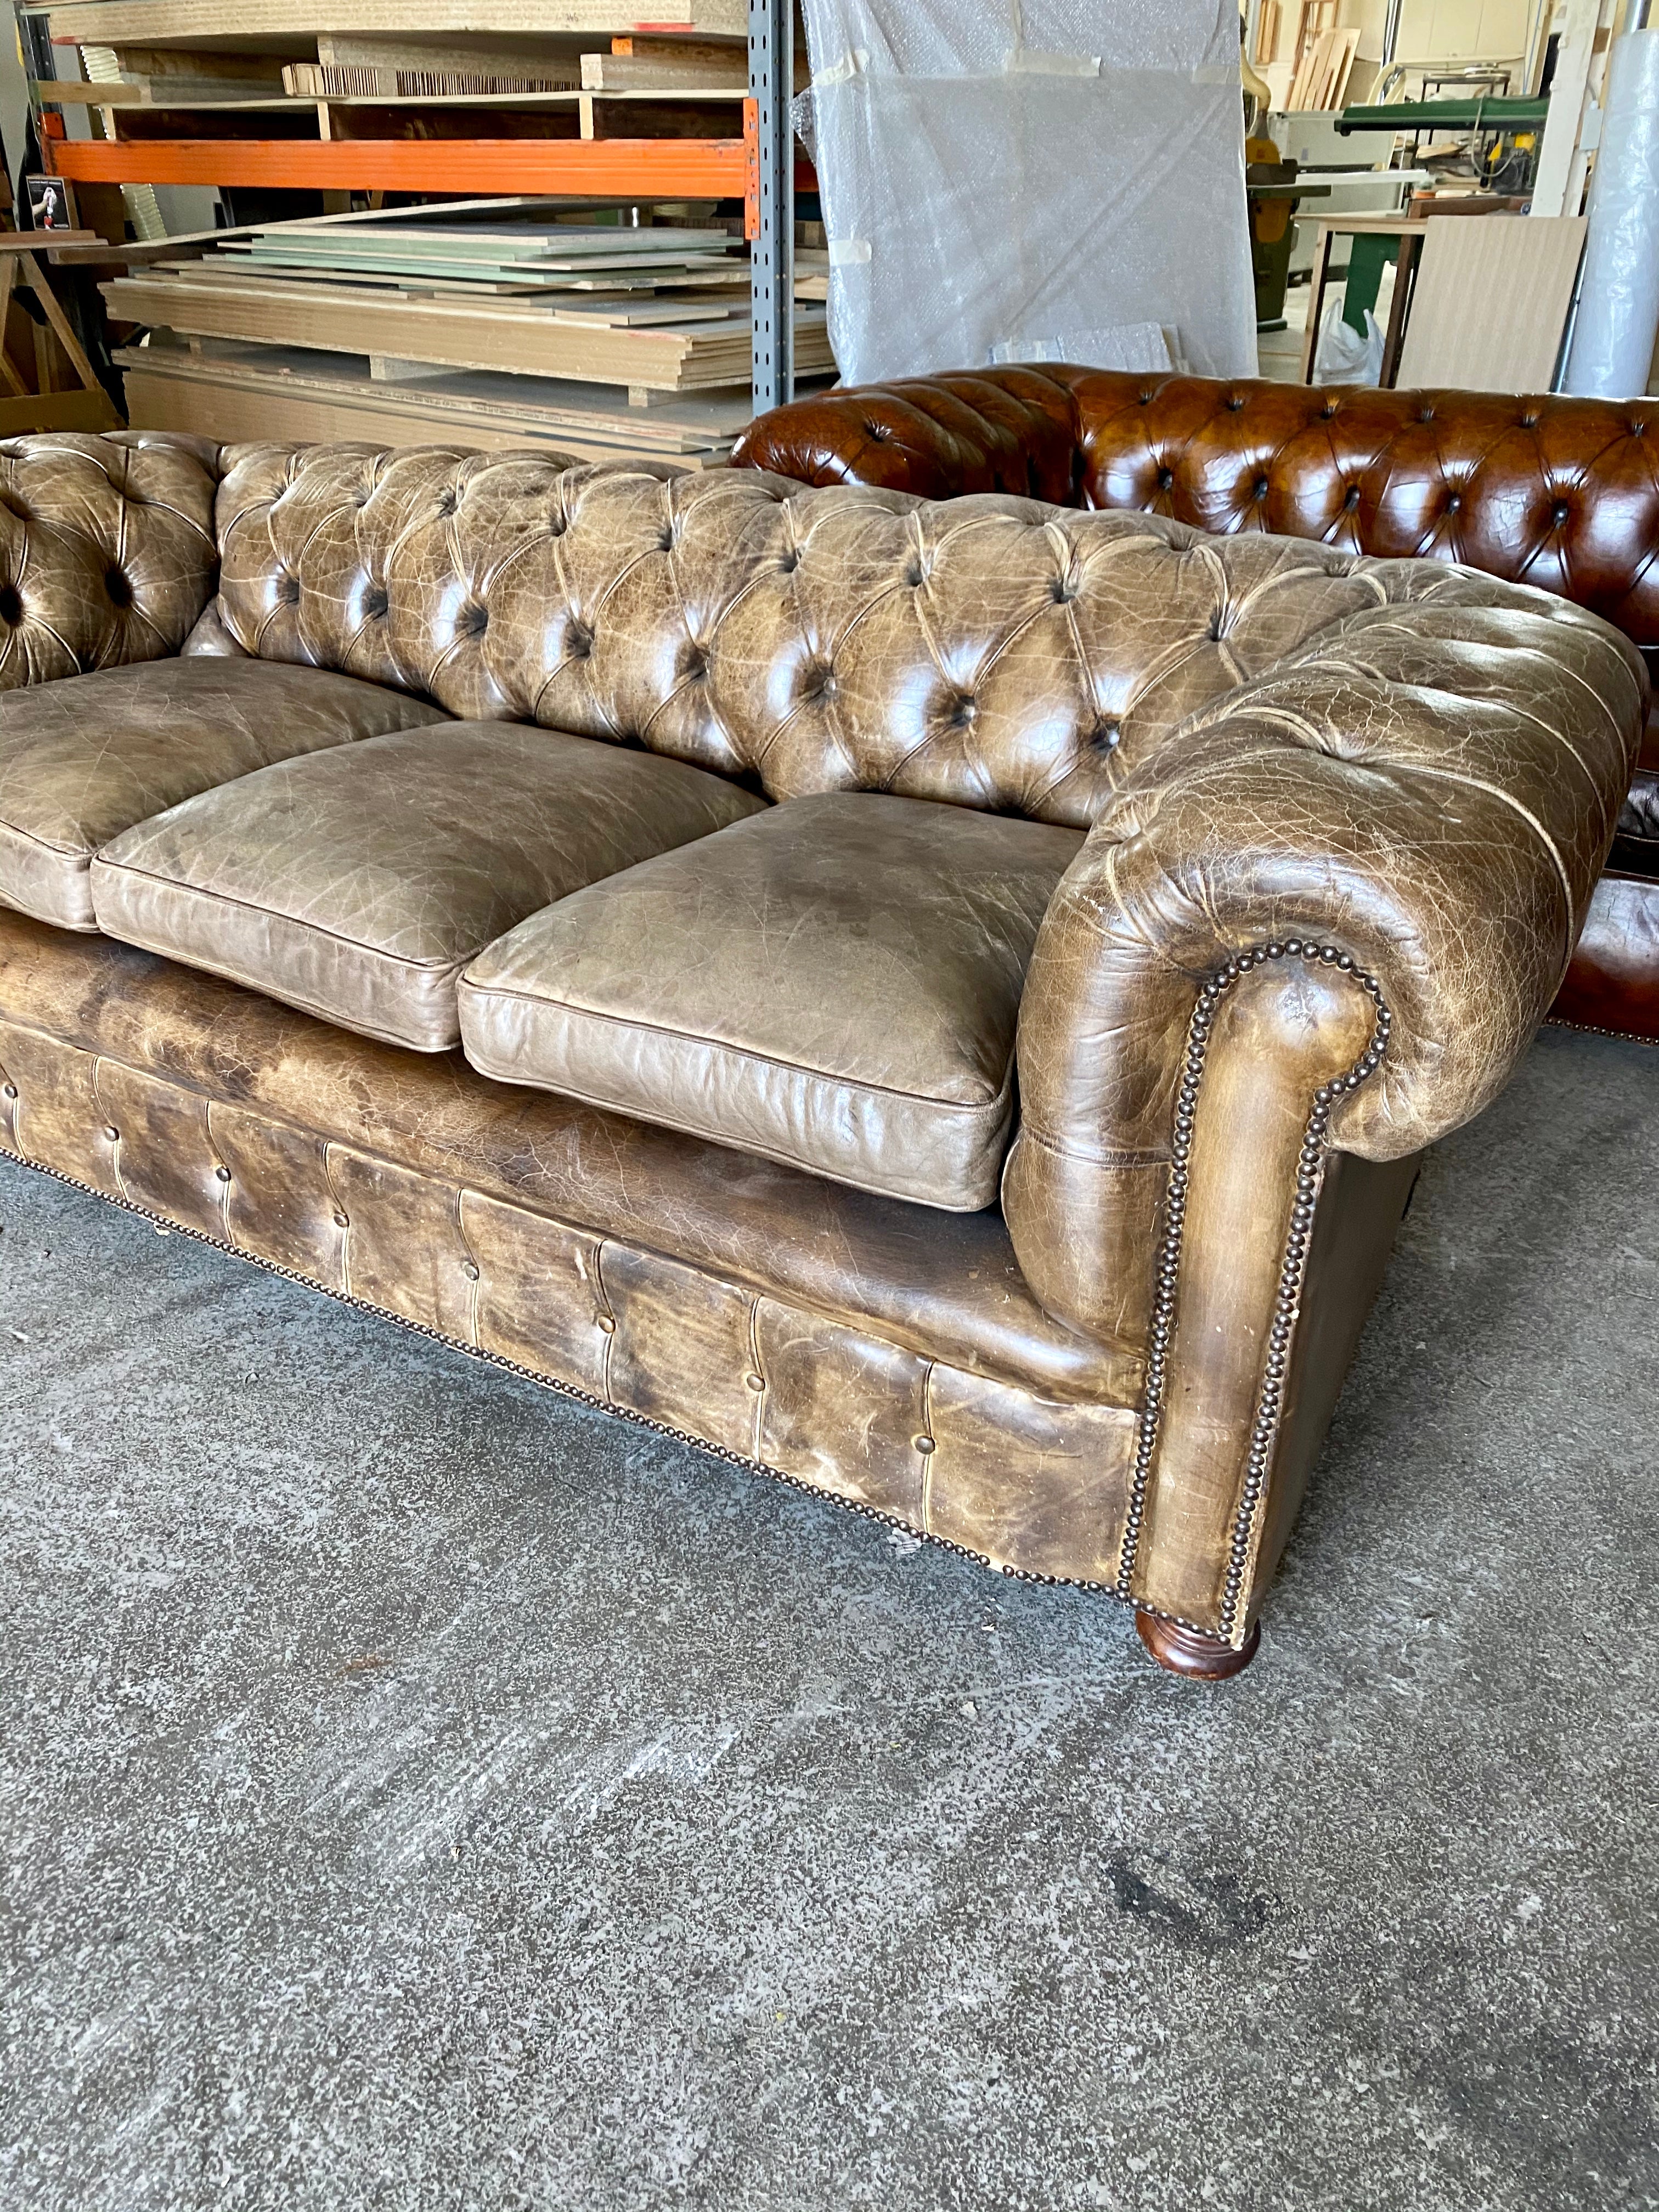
(51, 202)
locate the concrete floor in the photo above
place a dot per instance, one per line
(420, 1793)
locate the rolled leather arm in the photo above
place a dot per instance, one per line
(1428, 790)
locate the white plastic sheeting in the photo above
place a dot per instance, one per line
(1618, 319)
(1030, 180)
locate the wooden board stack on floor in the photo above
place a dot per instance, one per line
(373, 317)
(369, 99)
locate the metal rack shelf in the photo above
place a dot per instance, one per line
(759, 168)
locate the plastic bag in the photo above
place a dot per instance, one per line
(996, 177)
(1342, 357)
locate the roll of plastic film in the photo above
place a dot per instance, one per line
(1617, 320)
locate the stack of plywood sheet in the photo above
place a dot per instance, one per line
(659, 314)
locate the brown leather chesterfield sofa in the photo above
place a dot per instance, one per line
(938, 1003)
(1563, 494)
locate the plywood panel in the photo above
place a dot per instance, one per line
(1491, 302)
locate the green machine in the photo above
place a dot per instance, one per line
(1510, 129)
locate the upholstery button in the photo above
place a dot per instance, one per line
(1328, 412)
(222, 1172)
(607, 1325)
(1351, 498)
(1426, 413)
(1454, 502)
(118, 587)
(11, 604)
(1529, 422)
(342, 1221)
(1260, 487)
(112, 1133)
(1562, 512)
(755, 1381)
(377, 604)
(469, 1269)
(790, 562)
(924, 1445)
(1234, 404)
(1165, 479)
(288, 591)
(8, 1090)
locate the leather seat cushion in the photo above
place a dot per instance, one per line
(358, 883)
(834, 984)
(83, 760)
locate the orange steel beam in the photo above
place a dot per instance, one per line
(598, 168)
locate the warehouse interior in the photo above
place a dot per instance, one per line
(828, 991)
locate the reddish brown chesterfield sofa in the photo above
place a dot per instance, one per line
(1562, 494)
(940, 1003)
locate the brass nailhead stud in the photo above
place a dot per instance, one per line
(112, 1133)
(607, 1325)
(470, 1270)
(342, 1221)
(223, 1174)
(755, 1381)
(924, 1445)
(11, 1091)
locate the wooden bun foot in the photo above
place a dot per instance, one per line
(1190, 1651)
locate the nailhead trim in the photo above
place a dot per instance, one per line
(1309, 1171)
(478, 1352)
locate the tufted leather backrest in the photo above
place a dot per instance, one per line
(991, 652)
(106, 549)
(1560, 493)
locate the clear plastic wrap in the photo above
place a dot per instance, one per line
(1044, 179)
(1618, 318)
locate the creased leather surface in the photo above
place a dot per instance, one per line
(1431, 788)
(1560, 493)
(108, 552)
(357, 884)
(938, 1284)
(833, 983)
(85, 759)
(79, 762)
(1028, 1482)
(996, 653)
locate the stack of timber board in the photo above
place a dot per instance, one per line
(655, 311)
(231, 391)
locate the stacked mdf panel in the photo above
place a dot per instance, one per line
(255, 77)
(643, 317)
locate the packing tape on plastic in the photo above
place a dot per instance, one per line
(846, 252)
(853, 63)
(1023, 62)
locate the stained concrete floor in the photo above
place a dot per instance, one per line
(418, 1792)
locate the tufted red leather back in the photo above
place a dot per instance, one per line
(106, 549)
(1563, 494)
